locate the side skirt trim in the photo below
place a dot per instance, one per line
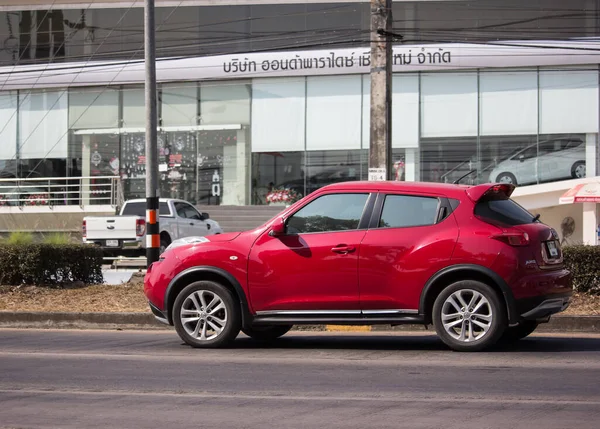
(415, 319)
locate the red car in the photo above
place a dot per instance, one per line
(468, 260)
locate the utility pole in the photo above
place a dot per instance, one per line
(152, 206)
(380, 149)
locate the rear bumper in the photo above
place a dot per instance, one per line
(159, 315)
(123, 244)
(541, 308)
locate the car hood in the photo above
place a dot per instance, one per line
(194, 240)
(229, 236)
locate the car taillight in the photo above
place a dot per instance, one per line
(84, 229)
(514, 238)
(140, 227)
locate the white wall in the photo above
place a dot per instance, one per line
(554, 217)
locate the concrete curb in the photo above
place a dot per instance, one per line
(42, 320)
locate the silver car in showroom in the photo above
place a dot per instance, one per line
(556, 159)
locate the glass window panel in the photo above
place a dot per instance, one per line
(329, 213)
(8, 126)
(561, 157)
(43, 125)
(134, 108)
(447, 159)
(400, 211)
(224, 103)
(277, 170)
(93, 109)
(278, 114)
(333, 166)
(568, 101)
(509, 102)
(501, 162)
(334, 112)
(405, 111)
(449, 104)
(179, 105)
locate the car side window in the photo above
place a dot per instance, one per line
(401, 211)
(180, 209)
(186, 211)
(334, 212)
(529, 153)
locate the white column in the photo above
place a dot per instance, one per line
(591, 155)
(590, 223)
(86, 158)
(412, 165)
(235, 172)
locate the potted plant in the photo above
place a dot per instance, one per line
(37, 200)
(282, 197)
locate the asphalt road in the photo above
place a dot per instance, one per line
(127, 379)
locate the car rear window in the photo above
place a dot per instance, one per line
(504, 211)
(139, 209)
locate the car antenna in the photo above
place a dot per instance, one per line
(462, 177)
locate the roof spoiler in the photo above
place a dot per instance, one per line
(478, 192)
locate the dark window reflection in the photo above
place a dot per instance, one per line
(328, 213)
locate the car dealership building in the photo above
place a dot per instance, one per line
(258, 96)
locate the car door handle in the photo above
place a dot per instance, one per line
(192, 224)
(343, 249)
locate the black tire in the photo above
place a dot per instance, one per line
(230, 313)
(491, 308)
(508, 178)
(267, 333)
(163, 246)
(575, 174)
(513, 334)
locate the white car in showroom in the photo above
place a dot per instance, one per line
(556, 160)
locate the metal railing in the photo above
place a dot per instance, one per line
(61, 191)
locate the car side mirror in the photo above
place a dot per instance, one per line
(205, 216)
(278, 228)
(522, 158)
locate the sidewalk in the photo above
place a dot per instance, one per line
(590, 324)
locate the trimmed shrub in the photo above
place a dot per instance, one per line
(49, 264)
(584, 264)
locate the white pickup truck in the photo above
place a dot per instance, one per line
(126, 233)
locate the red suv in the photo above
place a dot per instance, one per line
(466, 259)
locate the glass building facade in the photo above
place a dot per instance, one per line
(234, 141)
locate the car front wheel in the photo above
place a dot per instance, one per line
(469, 316)
(205, 315)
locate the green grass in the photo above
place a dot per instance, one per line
(19, 237)
(57, 238)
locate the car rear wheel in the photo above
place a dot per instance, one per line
(578, 170)
(516, 333)
(469, 316)
(266, 333)
(507, 178)
(205, 315)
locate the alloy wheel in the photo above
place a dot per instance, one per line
(203, 315)
(467, 315)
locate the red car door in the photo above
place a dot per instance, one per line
(314, 266)
(410, 238)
